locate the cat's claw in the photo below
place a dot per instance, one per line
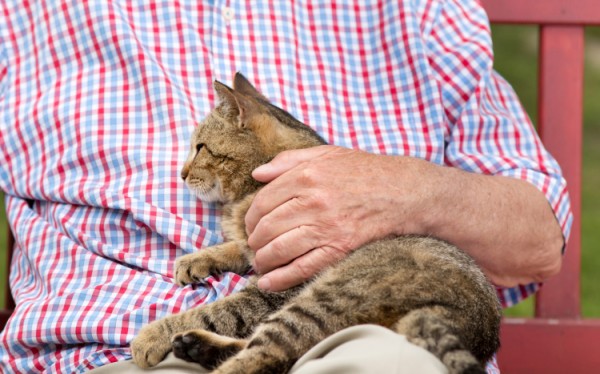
(190, 269)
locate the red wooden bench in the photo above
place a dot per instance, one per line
(557, 340)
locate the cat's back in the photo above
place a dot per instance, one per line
(387, 279)
(417, 270)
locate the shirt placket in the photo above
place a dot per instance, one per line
(223, 25)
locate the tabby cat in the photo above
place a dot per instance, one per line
(424, 288)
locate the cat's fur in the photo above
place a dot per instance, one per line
(421, 287)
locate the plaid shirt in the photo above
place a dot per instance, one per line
(98, 100)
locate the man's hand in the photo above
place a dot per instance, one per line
(321, 203)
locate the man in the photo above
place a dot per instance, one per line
(98, 103)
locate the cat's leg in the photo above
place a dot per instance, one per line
(309, 318)
(286, 335)
(228, 256)
(234, 316)
(153, 341)
(227, 324)
(329, 303)
(429, 328)
(206, 348)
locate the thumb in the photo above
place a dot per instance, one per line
(287, 160)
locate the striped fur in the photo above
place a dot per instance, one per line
(421, 287)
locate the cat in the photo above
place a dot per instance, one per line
(421, 287)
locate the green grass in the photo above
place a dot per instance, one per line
(3, 264)
(590, 224)
(516, 50)
(590, 197)
(515, 58)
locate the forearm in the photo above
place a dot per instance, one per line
(505, 224)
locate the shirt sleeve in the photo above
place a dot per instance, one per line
(494, 136)
(489, 132)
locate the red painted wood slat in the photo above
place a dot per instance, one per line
(561, 127)
(549, 346)
(544, 11)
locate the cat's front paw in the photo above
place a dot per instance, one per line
(205, 348)
(193, 268)
(151, 345)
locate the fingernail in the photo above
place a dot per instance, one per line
(264, 283)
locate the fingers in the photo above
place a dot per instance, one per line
(300, 270)
(284, 216)
(284, 249)
(315, 208)
(297, 183)
(287, 160)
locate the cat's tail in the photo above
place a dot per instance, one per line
(427, 329)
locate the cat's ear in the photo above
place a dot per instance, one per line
(228, 103)
(249, 109)
(243, 86)
(237, 106)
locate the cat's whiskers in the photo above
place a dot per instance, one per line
(213, 193)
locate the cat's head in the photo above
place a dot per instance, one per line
(241, 133)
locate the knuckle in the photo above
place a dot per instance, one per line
(258, 200)
(257, 238)
(265, 221)
(263, 260)
(257, 264)
(304, 269)
(315, 200)
(254, 243)
(257, 206)
(248, 221)
(278, 249)
(285, 156)
(308, 177)
(335, 253)
(314, 236)
(251, 241)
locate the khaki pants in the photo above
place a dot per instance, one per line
(359, 349)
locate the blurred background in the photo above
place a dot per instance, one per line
(515, 49)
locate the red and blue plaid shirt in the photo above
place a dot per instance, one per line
(98, 100)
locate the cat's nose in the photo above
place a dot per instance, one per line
(184, 172)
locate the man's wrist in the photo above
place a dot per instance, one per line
(423, 206)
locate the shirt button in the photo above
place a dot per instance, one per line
(227, 14)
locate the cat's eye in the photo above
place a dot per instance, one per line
(199, 146)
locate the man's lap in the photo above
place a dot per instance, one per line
(358, 349)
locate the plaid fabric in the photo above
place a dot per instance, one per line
(98, 100)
